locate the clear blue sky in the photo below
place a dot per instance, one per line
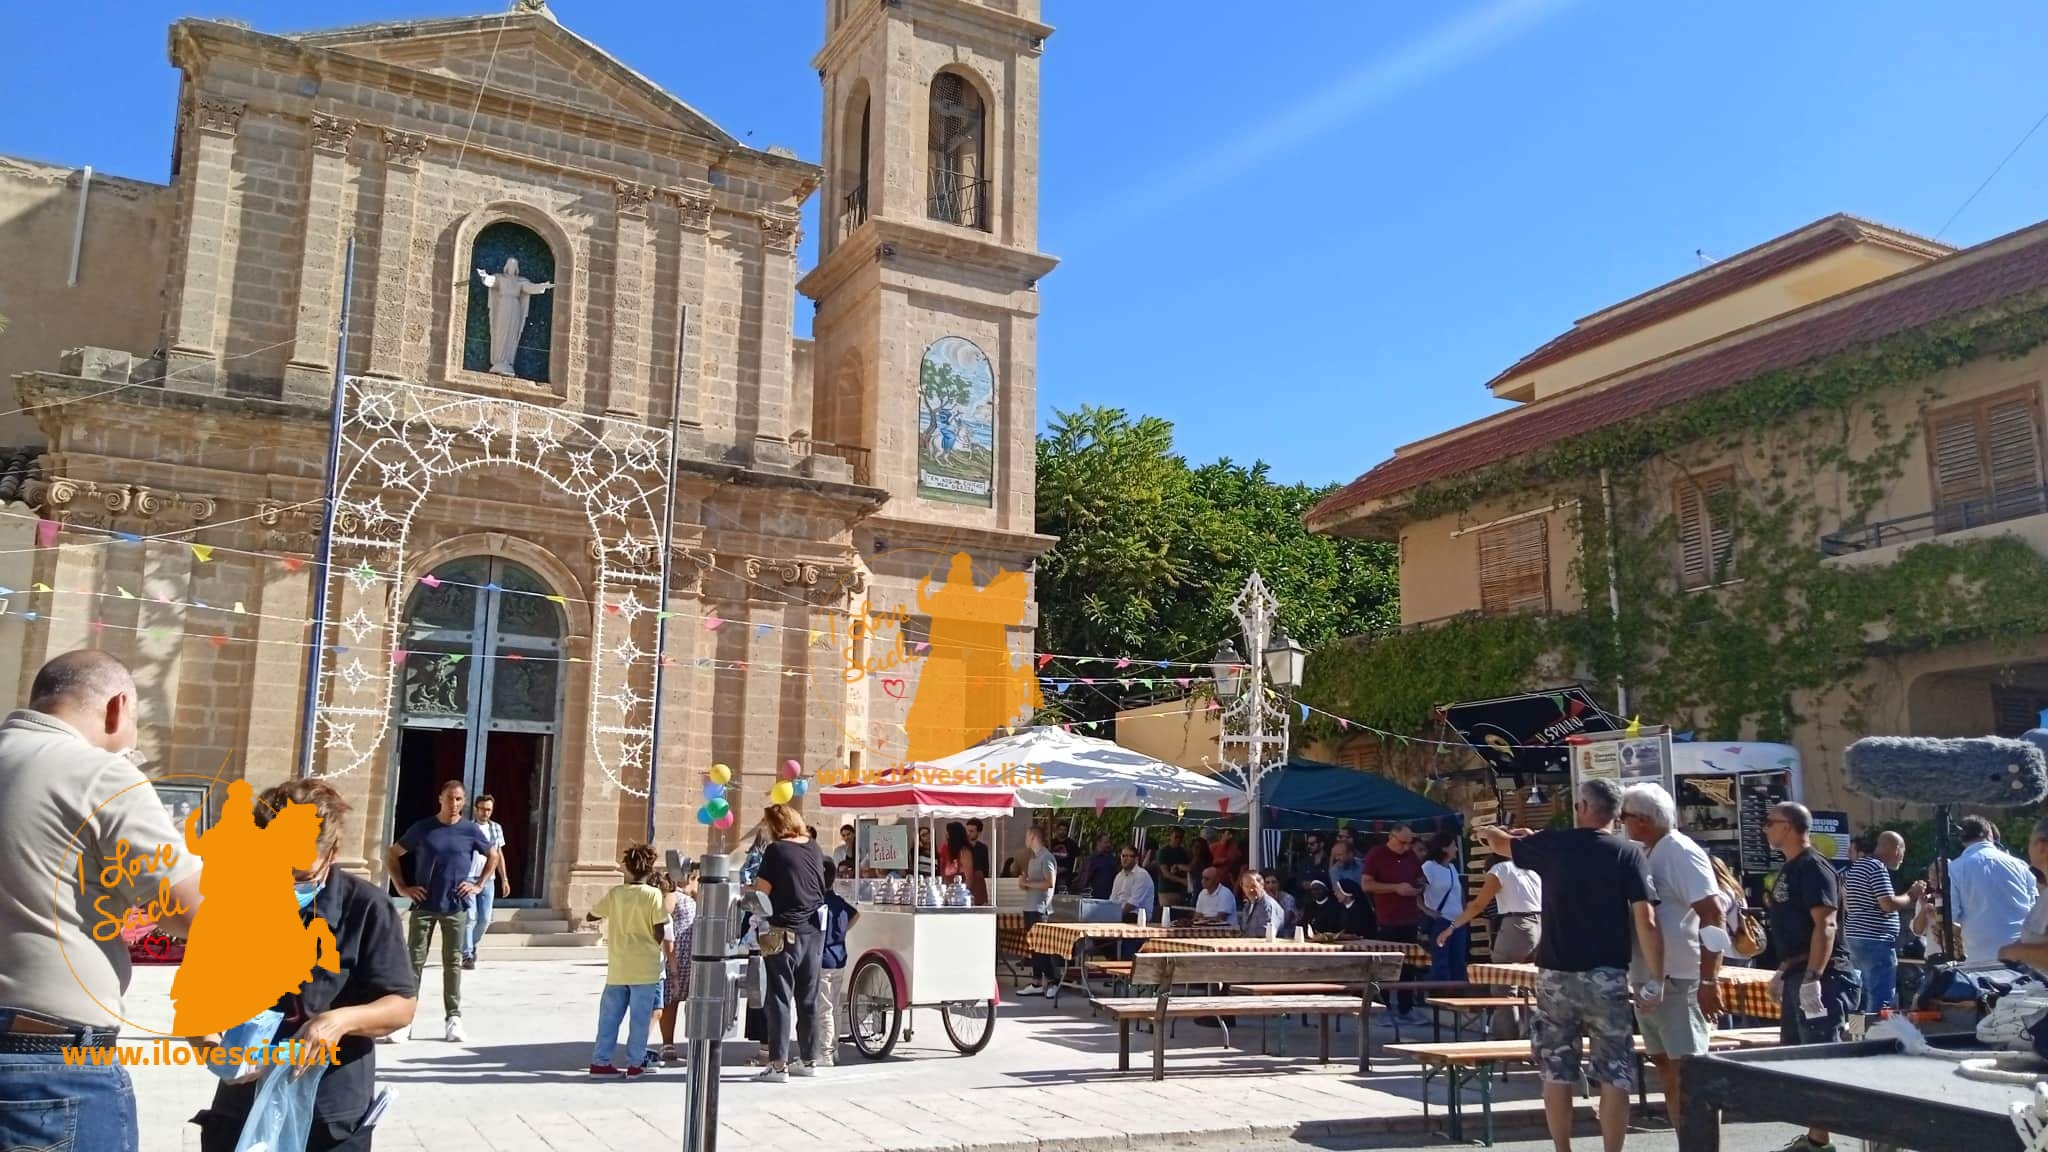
(1308, 232)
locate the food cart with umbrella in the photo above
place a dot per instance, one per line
(917, 943)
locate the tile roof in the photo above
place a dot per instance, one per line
(1991, 272)
(1711, 283)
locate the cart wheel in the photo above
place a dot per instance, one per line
(876, 1020)
(970, 1024)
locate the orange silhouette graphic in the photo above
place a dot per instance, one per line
(248, 946)
(971, 685)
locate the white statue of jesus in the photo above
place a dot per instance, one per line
(509, 297)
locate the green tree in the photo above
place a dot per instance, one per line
(1153, 551)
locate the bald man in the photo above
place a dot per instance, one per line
(1870, 917)
(68, 788)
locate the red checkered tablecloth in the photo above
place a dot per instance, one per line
(1050, 939)
(1410, 953)
(1744, 991)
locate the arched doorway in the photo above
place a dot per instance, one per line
(481, 702)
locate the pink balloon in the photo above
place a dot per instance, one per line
(790, 770)
(724, 821)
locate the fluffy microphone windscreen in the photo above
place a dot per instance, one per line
(1986, 772)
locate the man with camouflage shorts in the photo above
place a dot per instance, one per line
(1596, 891)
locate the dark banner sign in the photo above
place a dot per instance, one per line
(1527, 734)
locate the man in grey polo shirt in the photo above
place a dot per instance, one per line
(1689, 918)
(67, 788)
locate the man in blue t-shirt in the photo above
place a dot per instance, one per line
(442, 847)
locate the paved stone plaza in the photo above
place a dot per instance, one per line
(1049, 1080)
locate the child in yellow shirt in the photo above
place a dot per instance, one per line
(635, 941)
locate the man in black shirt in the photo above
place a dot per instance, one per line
(368, 994)
(1099, 872)
(1813, 997)
(1172, 863)
(1596, 894)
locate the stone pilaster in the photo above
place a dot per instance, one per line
(271, 738)
(632, 311)
(402, 151)
(309, 374)
(193, 357)
(693, 230)
(772, 349)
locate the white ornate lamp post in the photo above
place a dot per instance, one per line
(1254, 713)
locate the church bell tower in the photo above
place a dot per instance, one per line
(927, 284)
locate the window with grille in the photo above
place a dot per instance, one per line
(1705, 507)
(1985, 457)
(2016, 710)
(958, 174)
(1514, 566)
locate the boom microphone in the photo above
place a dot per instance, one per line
(1985, 772)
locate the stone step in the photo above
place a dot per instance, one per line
(513, 940)
(526, 927)
(500, 915)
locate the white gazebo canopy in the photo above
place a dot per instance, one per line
(1048, 767)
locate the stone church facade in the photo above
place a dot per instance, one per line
(509, 454)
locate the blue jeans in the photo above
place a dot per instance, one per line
(479, 919)
(45, 1103)
(1446, 961)
(1877, 961)
(1839, 995)
(634, 1002)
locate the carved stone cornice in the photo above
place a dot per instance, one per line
(633, 198)
(288, 527)
(222, 117)
(778, 232)
(87, 503)
(403, 149)
(694, 210)
(332, 133)
(816, 583)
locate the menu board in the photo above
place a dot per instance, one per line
(1758, 792)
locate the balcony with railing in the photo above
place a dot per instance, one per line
(857, 459)
(958, 198)
(2005, 507)
(853, 210)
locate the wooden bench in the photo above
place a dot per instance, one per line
(1466, 1062)
(1478, 1006)
(1169, 971)
(1750, 1037)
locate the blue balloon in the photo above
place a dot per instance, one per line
(703, 815)
(713, 789)
(800, 787)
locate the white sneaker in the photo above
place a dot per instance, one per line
(1053, 992)
(770, 1076)
(453, 1032)
(801, 1070)
(1032, 989)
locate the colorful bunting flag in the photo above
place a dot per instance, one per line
(201, 552)
(1044, 658)
(293, 563)
(1635, 726)
(431, 580)
(763, 629)
(1182, 681)
(42, 587)
(1343, 725)
(559, 599)
(1123, 662)
(240, 609)
(398, 655)
(128, 537)
(125, 594)
(46, 532)
(712, 623)
(1304, 712)
(218, 640)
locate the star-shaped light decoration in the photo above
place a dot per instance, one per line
(359, 625)
(627, 651)
(440, 440)
(633, 754)
(362, 576)
(483, 430)
(355, 675)
(341, 734)
(544, 440)
(627, 699)
(582, 463)
(631, 608)
(396, 474)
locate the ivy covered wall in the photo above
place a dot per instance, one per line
(1831, 445)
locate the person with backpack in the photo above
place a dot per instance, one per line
(836, 916)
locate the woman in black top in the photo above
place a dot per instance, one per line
(370, 994)
(792, 943)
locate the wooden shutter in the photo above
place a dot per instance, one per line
(1706, 529)
(1985, 460)
(1514, 566)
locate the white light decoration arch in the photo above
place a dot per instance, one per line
(398, 440)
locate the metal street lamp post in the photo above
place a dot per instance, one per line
(1254, 714)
